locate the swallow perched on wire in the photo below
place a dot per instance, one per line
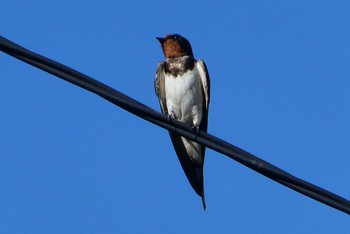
(183, 88)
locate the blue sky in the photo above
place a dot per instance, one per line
(73, 163)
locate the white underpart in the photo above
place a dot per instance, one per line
(184, 101)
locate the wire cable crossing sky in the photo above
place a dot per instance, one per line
(150, 115)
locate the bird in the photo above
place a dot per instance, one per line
(182, 86)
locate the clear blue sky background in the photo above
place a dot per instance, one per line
(72, 162)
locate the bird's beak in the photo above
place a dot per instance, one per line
(160, 39)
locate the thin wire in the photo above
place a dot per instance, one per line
(173, 125)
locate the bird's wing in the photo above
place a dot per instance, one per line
(204, 76)
(159, 86)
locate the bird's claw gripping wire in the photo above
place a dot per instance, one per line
(170, 116)
(194, 129)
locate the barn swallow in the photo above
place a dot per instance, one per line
(183, 88)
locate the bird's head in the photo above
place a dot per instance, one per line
(175, 45)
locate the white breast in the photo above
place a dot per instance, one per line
(184, 97)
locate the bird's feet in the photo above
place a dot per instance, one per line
(170, 116)
(194, 129)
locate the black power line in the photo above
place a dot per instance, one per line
(180, 128)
